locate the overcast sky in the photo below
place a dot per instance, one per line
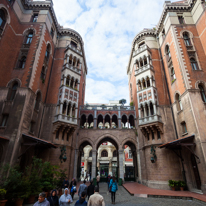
(108, 28)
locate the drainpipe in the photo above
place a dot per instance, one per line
(173, 118)
(46, 93)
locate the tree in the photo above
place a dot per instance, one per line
(122, 101)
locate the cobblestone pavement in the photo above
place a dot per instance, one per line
(124, 198)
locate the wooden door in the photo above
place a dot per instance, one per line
(196, 172)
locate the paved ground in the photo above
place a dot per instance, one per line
(124, 198)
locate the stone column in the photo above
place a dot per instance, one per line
(110, 166)
(76, 110)
(148, 60)
(95, 118)
(121, 168)
(155, 109)
(86, 164)
(65, 80)
(103, 122)
(110, 123)
(139, 109)
(94, 162)
(151, 81)
(75, 162)
(61, 107)
(57, 108)
(66, 108)
(144, 111)
(120, 123)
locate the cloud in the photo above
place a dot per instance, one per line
(107, 28)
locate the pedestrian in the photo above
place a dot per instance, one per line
(53, 199)
(82, 188)
(65, 184)
(108, 180)
(72, 187)
(81, 200)
(85, 174)
(113, 186)
(66, 198)
(42, 200)
(98, 179)
(90, 189)
(96, 199)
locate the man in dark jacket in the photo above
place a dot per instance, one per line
(81, 201)
(65, 183)
(90, 189)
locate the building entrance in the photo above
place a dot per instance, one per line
(129, 173)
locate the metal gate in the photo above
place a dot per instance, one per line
(129, 173)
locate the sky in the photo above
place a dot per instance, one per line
(108, 28)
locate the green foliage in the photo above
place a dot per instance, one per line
(173, 80)
(131, 104)
(2, 194)
(123, 101)
(181, 183)
(58, 180)
(171, 183)
(16, 183)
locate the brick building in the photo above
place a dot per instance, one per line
(167, 85)
(42, 86)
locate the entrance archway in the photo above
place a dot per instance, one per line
(107, 162)
(130, 161)
(84, 162)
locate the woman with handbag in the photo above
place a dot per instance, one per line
(113, 188)
(73, 188)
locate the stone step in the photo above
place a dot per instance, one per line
(197, 191)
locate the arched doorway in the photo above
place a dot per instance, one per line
(130, 161)
(84, 163)
(107, 158)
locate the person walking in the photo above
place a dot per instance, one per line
(82, 188)
(81, 201)
(114, 188)
(42, 200)
(66, 198)
(108, 180)
(96, 199)
(90, 189)
(98, 179)
(72, 187)
(53, 199)
(65, 184)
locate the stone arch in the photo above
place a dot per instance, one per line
(189, 32)
(29, 29)
(107, 114)
(7, 12)
(84, 142)
(128, 139)
(176, 92)
(200, 82)
(49, 43)
(107, 138)
(13, 80)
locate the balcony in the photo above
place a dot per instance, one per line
(141, 49)
(65, 119)
(75, 49)
(149, 122)
(143, 69)
(72, 68)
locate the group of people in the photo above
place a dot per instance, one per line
(92, 192)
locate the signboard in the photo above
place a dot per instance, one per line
(104, 143)
(82, 164)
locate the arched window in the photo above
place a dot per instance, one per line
(151, 108)
(202, 92)
(194, 64)
(72, 82)
(186, 39)
(73, 111)
(64, 108)
(22, 62)
(148, 82)
(141, 63)
(2, 20)
(57, 134)
(173, 77)
(167, 51)
(115, 153)
(104, 153)
(178, 102)
(90, 153)
(147, 110)
(29, 38)
(47, 53)
(38, 100)
(67, 81)
(12, 91)
(144, 84)
(43, 73)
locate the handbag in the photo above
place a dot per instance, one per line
(74, 189)
(110, 188)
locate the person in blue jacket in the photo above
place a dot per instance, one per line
(114, 188)
(81, 201)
